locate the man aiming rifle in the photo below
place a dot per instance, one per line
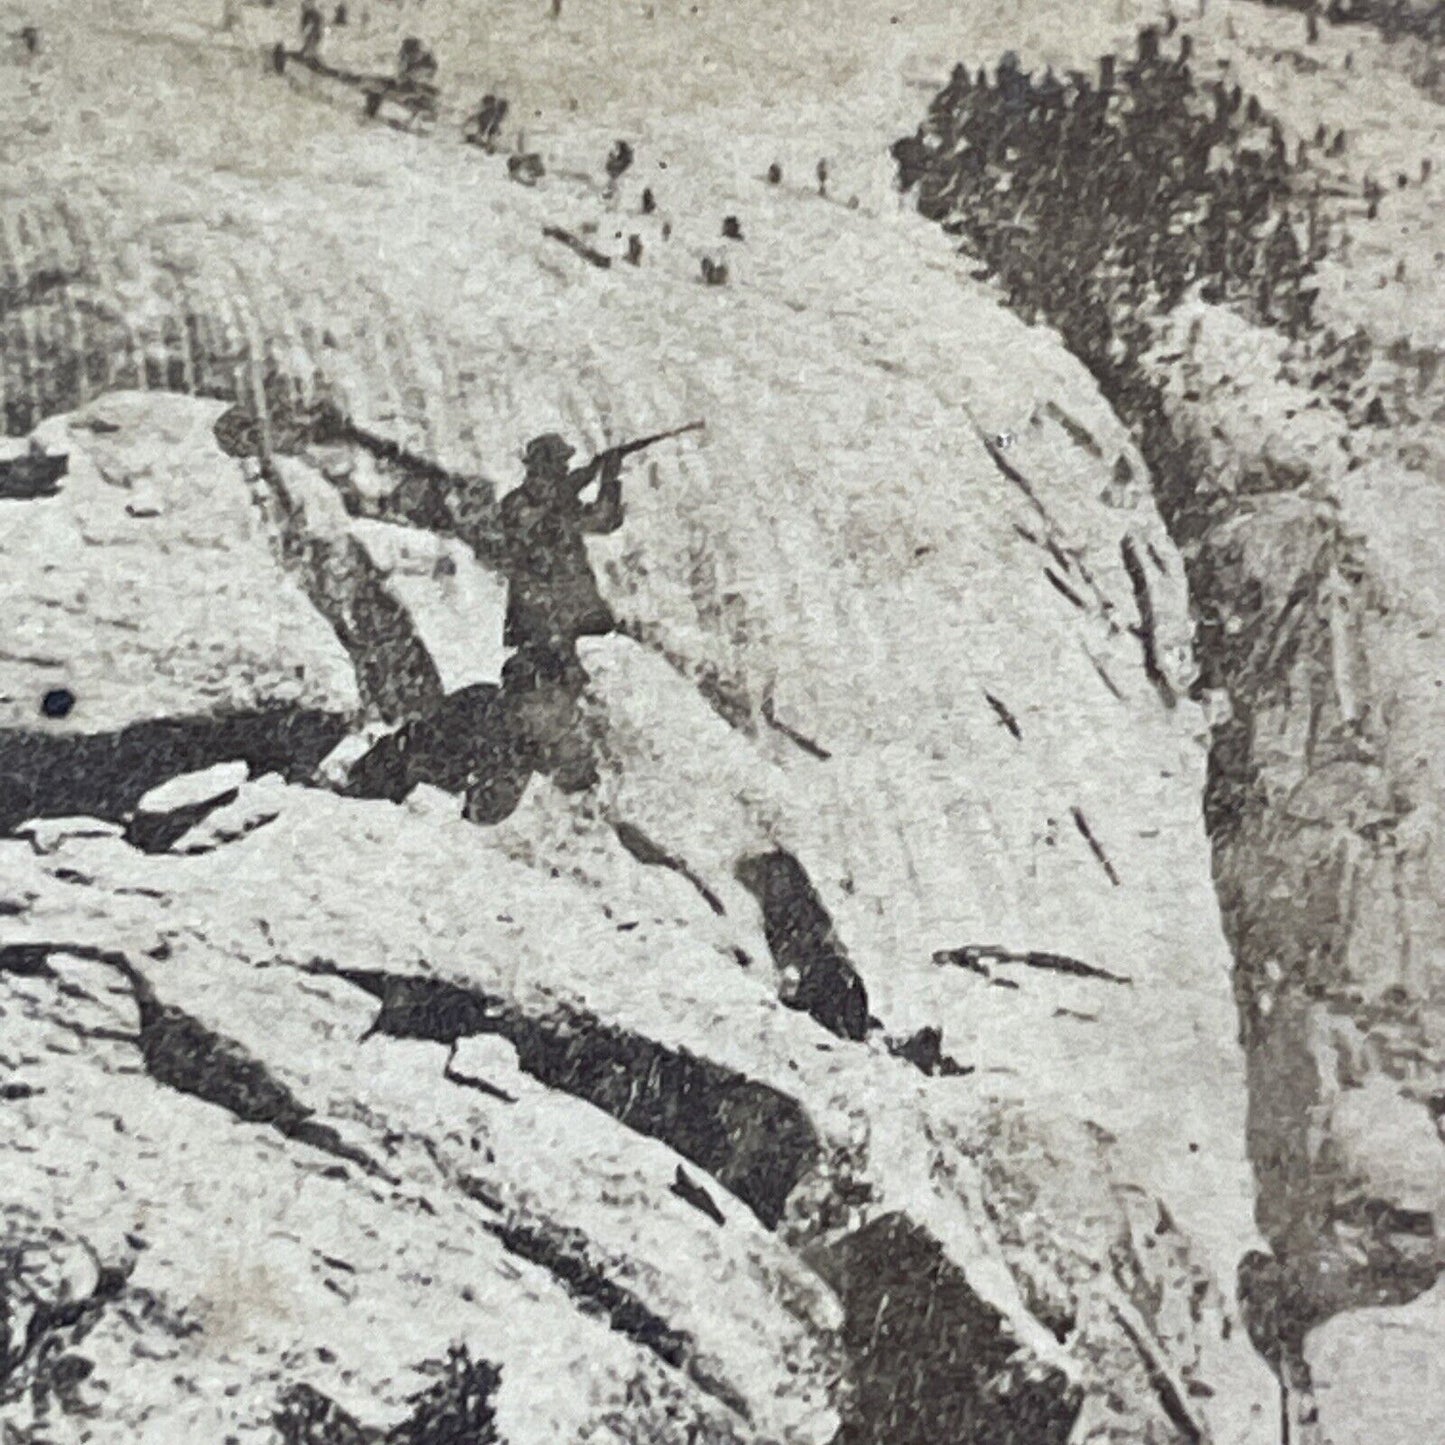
(552, 595)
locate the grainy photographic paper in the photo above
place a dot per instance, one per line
(720, 723)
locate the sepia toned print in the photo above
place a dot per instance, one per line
(720, 723)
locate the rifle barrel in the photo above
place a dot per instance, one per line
(627, 448)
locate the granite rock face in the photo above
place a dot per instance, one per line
(854, 1058)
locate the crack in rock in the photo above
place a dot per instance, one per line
(753, 1140)
(821, 981)
(104, 775)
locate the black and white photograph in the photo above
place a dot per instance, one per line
(722, 722)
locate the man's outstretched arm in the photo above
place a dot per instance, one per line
(605, 513)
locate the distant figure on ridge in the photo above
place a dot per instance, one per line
(619, 161)
(484, 126)
(415, 64)
(313, 27)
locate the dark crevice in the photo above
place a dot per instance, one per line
(1095, 847)
(158, 832)
(977, 958)
(395, 674)
(929, 1361)
(1145, 631)
(563, 1253)
(648, 853)
(453, 1075)
(819, 980)
(32, 477)
(1064, 590)
(578, 247)
(181, 1053)
(756, 1142)
(1005, 717)
(692, 1193)
(801, 740)
(104, 775)
(924, 1050)
(459, 1409)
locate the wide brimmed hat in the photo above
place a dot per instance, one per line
(548, 448)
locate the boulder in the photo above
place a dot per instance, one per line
(456, 605)
(1379, 1374)
(151, 626)
(396, 1049)
(148, 586)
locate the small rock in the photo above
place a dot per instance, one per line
(191, 789)
(425, 801)
(335, 768)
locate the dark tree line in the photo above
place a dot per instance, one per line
(1098, 201)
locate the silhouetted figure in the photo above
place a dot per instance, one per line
(484, 125)
(731, 229)
(649, 201)
(415, 64)
(822, 174)
(553, 598)
(714, 273)
(634, 249)
(619, 161)
(526, 169)
(313, 28)
(30, 39)
(340, 16)
(1312, 28)
(775, 174)
(34, 475)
